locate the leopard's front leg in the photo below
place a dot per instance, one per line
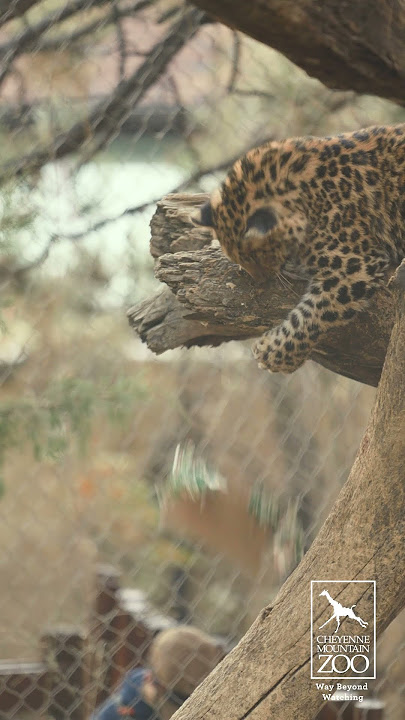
(345, 286)
(286, 347)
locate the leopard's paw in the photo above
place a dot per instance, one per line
(276, 358)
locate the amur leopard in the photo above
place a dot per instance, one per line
(334, 206)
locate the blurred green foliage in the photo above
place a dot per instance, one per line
(64, 412)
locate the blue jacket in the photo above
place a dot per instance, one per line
(127, 703)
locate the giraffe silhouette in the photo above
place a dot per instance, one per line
(339, 611)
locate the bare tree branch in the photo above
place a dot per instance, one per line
(32, 37)
(121, 42)
(28, 39)
(109, 114)
(235, 60)
(14, 9)
(194, 178)
(46, 44)
(253, 93)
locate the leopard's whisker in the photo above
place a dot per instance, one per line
(289, 283)
(284, 282)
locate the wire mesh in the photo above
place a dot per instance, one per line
(106, 106)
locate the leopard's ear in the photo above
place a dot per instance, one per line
(261, 222)
(203, 216)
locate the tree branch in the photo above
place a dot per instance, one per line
(347, 45)
(35, 38)
(192, 179)
(30, 38)
(212, 300)
(268, 674)
(109, 114)
(17, 8)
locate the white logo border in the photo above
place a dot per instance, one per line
(344, 677)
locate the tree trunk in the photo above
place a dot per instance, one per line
(347, 45)
(268, 674)
(212, 300)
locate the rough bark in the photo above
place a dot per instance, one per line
(345, 44)
(211, 300)
(268, 674)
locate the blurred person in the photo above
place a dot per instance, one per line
(179, 660)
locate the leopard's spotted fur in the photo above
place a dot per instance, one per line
(335, 206)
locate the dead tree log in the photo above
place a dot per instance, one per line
(268, 674)
(347, 45)
(212, 300)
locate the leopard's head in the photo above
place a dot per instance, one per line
(255, 217)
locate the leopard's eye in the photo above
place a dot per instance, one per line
(262, 221)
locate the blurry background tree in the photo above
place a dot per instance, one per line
(105, 107)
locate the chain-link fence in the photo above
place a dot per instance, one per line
(140, 493)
